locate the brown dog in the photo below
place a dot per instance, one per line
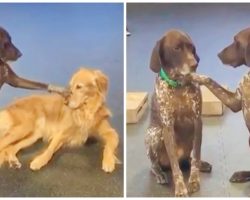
(236, 54)
(60, 123)
(8, 52)
(175, 127)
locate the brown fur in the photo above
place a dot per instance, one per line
(59, 122)
(175, 127)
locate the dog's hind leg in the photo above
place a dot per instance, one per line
(240, 177)
(13, 149)
(153, 141)
(156, 169)
(15, 134)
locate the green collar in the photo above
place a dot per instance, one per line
(168, 80)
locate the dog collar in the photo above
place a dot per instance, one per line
(164, 76)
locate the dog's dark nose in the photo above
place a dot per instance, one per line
(19, 54)
(219, 55)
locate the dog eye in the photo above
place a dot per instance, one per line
(78, 87)
(177, 48)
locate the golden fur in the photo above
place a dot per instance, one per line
(61, 122)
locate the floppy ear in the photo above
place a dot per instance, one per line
(101, 81)
(247, 53)
(155, 62)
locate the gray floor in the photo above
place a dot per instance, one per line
(225, 139)
(52, 51)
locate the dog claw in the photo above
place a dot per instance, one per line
(240, 177)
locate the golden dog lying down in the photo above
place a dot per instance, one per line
(61, 122)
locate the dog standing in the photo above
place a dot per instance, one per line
(235, 55)
(8, 52)
(60, 122)
(176, 126)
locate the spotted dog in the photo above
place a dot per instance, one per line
(236, 54)
(175, 126)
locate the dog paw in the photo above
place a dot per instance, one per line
(180, 189)
(14, 163)
(205, 167)
(108, 163)
(240, 177)
(161, 177)
(36, 164)
(193, 184)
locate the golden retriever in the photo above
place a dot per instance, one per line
(59, 121)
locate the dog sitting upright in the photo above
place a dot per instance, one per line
(175, 127)
(59, 122)
(236, 54)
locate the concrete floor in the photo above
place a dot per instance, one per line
(52, 51)
(225, 138)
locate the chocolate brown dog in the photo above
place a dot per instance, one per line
(8, 52)
(236, 54)
(175, 127)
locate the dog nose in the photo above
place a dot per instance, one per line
(19, 54)
(219, 55)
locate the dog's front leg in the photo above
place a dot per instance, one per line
(111, 140)
(15, 81)
(170, 144)
(45, 157)
(194, 179)
(11, 78)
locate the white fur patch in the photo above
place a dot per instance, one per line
(185, 69)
